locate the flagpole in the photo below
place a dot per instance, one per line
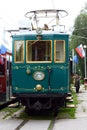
(85, 60)
(73, 61)
(75, 68)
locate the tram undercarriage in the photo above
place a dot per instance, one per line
(42, 102)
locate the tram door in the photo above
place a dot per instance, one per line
(9, 78)
(2, 75)
(5, 78)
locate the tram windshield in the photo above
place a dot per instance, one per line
(38, 51)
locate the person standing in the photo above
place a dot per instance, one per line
(77, 83)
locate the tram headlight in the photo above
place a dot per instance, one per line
(38, 87)
(38, 75)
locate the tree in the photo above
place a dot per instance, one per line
(79, 35)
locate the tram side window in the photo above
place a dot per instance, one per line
(59, 51)
(38, 51)
(19, 51)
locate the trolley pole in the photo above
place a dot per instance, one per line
(74, 64)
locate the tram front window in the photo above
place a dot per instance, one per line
(38, 51)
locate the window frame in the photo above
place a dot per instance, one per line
(55, 51)
(15, 43)
(27, 61)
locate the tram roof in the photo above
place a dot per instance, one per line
(33, 26)
(44, 32)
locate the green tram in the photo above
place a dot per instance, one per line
(40, 67)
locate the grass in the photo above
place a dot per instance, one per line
(66, 113)
(9, 111)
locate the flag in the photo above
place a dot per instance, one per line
(80, 51)
(75, 59)
(3, 49)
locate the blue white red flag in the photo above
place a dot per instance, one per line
(80, 51)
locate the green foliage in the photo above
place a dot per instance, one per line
(68, 113)
(79, 36)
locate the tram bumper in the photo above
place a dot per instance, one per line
(40, 101)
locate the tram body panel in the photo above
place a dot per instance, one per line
(25, 83)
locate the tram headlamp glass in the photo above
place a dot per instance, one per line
(38, 75)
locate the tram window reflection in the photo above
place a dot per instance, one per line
(38, 51)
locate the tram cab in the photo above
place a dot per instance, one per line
(40, 64)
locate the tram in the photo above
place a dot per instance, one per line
(40, 62)
(5, 74)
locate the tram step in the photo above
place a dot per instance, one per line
(13, 105)
(69, 98)
(70, 105)
(69, 94)
(12, 97)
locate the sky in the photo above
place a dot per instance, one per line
(11, 11)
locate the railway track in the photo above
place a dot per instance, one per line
(5, 104)
(29, 123)
(33, 122)
(39, 124)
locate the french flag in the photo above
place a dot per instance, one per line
(80, 51)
